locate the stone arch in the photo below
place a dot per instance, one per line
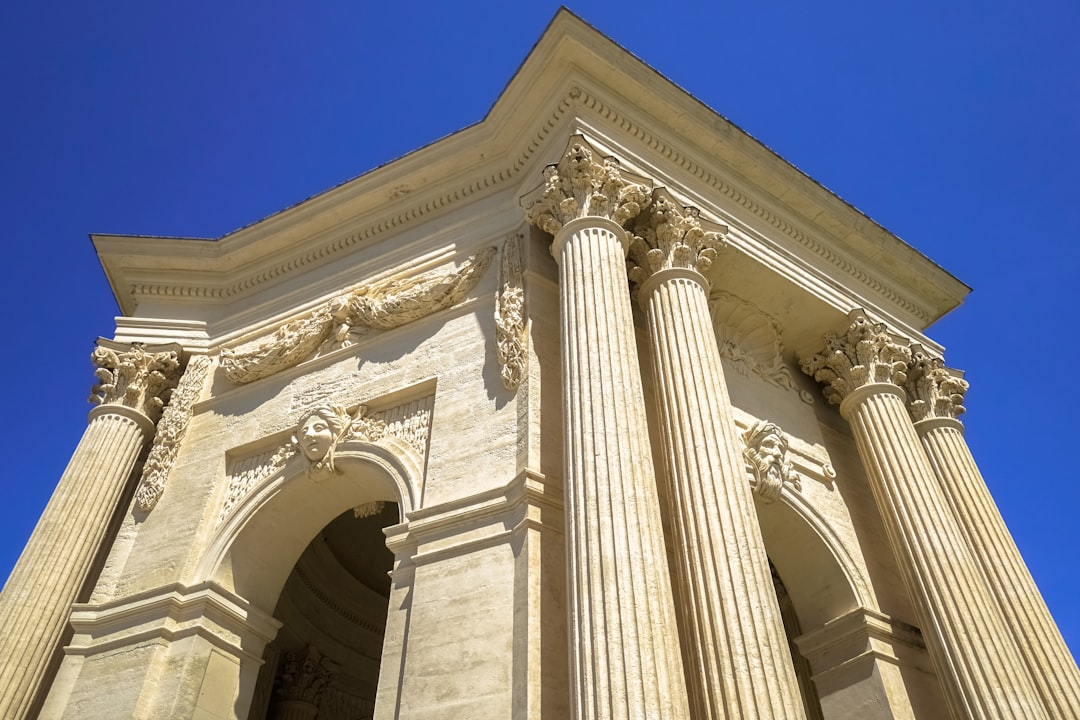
(820, 575)
(255, 549)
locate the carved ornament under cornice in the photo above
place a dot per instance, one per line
(864, 354)
(750, 340)
(580, 186)
(170, 433)
(668, 235)
(135, 376)
(934, 391)
(511, 323)
(342, 319)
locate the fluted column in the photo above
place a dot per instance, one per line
(56, 563)
(624, 651)
(738, 660)
(935, 397)
(977, 663)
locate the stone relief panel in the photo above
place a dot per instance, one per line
(750, 339)
(766, 459)
(344, 318)
(511, 323)
(170, 433)
(317, 436)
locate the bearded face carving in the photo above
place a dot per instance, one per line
(766, 455)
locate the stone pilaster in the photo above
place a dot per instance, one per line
(624, 649)
(738, 660)
(935, 396)
(979, 666)
(55, 566)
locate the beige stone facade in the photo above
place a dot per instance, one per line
(597, 409)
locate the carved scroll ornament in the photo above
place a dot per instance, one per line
(511, 325)
(129, 375)
(170, 433)
(383, 305)
(580, 186)
(933, 390)
(766, 459)
(865, 353)
(668, 235)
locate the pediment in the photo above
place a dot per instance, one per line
(575, 80)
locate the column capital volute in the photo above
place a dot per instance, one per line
(134, 376)
(934, 390)
(864, 354)
(581, 185)
(667, 235)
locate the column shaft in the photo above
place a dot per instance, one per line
(739, 663)
(980, 668)
(1026, 615)
(56, 562)
(625, 661)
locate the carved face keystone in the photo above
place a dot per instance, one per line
(315, 438)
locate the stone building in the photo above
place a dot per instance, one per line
(595, 409)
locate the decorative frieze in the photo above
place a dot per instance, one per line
(934, 391)
(580, 186)
(135, 376)
(344, 318)
(671, 236)
(511, 324)
(170, 433)
(766, 460)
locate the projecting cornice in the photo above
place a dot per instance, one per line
(574, 80)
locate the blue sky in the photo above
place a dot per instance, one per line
(956, 125)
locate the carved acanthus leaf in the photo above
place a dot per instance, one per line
(766, 460)
(934, 391)
(864, 354)
(304, 676)
(669, 235)
(170, 433)
(129, 375)
(579, 186)
(511, 325)
(383, 305)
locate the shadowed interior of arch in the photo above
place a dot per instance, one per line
(333, 610)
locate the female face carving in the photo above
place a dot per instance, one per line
(315, 438)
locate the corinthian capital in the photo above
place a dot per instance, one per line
(669, 235)
(135, 376)
(580, 186)
(934, 391)
(864, 354)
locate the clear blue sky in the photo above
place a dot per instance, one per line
(954, 124)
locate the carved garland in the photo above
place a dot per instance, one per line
(511, 325)
(383, 305)
(170, 433)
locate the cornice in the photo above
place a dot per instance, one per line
(573, 71)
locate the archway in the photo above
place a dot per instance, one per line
(302, 541)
